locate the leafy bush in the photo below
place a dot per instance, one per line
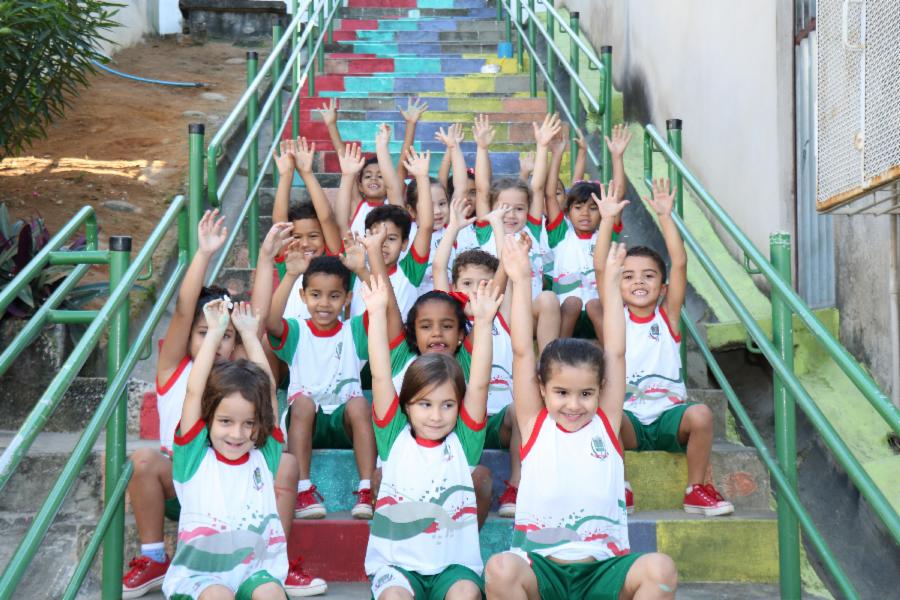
(46, 48)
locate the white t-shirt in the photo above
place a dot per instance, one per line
(169, 402)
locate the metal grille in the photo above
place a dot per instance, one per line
(882, 149)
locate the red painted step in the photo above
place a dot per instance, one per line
(355, 24)
(327, 83)
(333, 548)
(360, 66)
(344, 36)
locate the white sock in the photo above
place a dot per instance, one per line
(303, 485)
(155, 551)
(364, 484)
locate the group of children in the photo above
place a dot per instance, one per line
(438, 288)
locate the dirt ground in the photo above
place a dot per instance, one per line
(122, 146)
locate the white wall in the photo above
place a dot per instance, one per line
(725, 68)
(138, 18)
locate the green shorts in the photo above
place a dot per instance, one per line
(593, 581)
(245, 592)
(492, 431)
(328, 429)
(661, 434)
(424, 587)
(173, 508)
(584, 329)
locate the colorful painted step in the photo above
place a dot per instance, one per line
(452, 84)
(360, 65)
(459, 104)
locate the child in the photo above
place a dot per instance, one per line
(570, 538)
(405, 273)
(151, 490)
(424, 538)
(659, 417)
(572, 241)
(315, 229)
(227, 448)
(525, 214)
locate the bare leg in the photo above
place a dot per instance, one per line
(286, 490)
(595, 313)
(508, 577)
(484, 488)
(463, 590)
(358, 425)
(696, 430)
(269, 591)
(546, 315)
(150, 486)
(511, 437)
(569, 313)
(651, 577)
(216, 592)
(303, 420)
(376, 482)
(395, 593)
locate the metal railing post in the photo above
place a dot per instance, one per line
(574, 100)
(508, 22)
(551, 57)
(673, 129)
(321, 54)
(295, 77)
(113, 558)
(195, 183)
(606, 101)
(532, 69)
(330, 21)
(310, 44)
(253, 162)
(277, 117)
(785, 423)
(520, 49)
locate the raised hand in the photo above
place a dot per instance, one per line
(515, 258)
(245, 320)
(414, 110)
(284, 157)
(485, 301)
(621, 135)
(495, 217)
(296, 262)
(217, 318)
(211, 232)
(582, 143)
(383, 136)
(460, 209)
(374, 239)
(417, 164)
(329, 111)
(375, 295)
(303, 156)
(483, 132)
(615, 260)
(526, 164)
(663, 197)
(450, 138)
(354, 255)
(607, 203)
(546, 131)
(561, 142)
(352, 161)
(278, 237)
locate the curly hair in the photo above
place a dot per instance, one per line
(474, 257)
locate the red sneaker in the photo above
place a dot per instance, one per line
(309, 504)
(363, 507)
(146, 575)
(706, 500)
(629, 499)
(508, 501)
(298, 584)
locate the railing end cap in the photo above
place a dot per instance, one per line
(197, 128)
(673, 124)
(605, 49)
(120, 243)
(252, 55)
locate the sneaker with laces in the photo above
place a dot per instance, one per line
(309, 504)
(363, 507)
(145, 575)
(629, 499)
(508, 501)
(299, 584)
(706, 500)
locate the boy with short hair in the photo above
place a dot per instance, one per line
(658, 415)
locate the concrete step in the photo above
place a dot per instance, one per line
(442, 117)
(493, 36)
(388, 84)
(416, 65)
(417, 24)
(413, 48)
(516, 132)
(445, 102)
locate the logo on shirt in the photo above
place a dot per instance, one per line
(494, 330)
(598, 448)
(257, 479)
(448, 456)
(337, 350)
(654, 332)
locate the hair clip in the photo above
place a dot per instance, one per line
(470, 171)
(460, 297)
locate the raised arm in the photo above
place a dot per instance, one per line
(261, 296)
(526, 165)
(211, 235)
(285, 164)
(373, 242)
(662, 201)
(484, 135)
(216, 314)
(580, 159)
(612, 395)
(392, 183)
(352, 162)
(558, 147)
(452, 140)
(484, 303)
(527, 400)
(617, 145)
(412, 114)
(417, 166)
(377, 300)
(459, 219)
(295, 264)
(329, 117)
(543, 137)
(610, 210)
(303, 159)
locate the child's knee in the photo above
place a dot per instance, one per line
(146, 462)
(571, 306)
(394, 593)
(483, 481)
(699, 416)
(463, 590)
(302, 407)
(216, 592)
(288, 471)
(546, 302)
(594, 309)
(661, 570)
(502, 570)
(357, 411)
(269, 591)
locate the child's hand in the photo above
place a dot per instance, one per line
(296, 262)
(285, 162)
(607, 204)
(485, 301)
(216, 313)
(278, 237)
(615, 260)
(329, 112)
(582, 144)
(546, 131)
(460, 209)
(374, 239)
(383, 136)
(621, 135)
(244, 319)
(354, 255)
(414, 110)
(303, 156)
(450, 138)
(375, 294)
(483, 132)
(515, 258)
(417, 164)
(526, 164)
(352, 161)
(561, 142)
(495, 217)
(663, 198)
(211, 232)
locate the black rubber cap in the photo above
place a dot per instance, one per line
(673, 124)
(197, 128)
(120, 243)
(575, 14)
(252, 55)
(605, 49)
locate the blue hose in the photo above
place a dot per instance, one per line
(145, 80)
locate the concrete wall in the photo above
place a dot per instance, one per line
(725, 68)
(138, 18)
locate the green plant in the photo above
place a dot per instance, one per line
(46, 49)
